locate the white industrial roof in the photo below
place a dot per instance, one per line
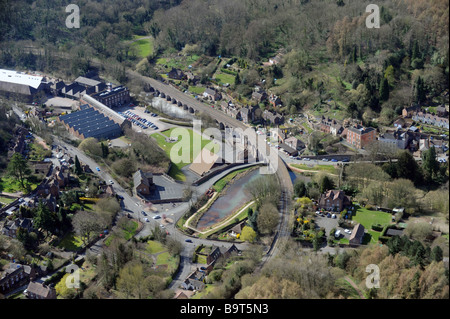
(20, 78)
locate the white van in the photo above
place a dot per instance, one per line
(337, 234)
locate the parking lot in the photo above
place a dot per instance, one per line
(329, 223)
(142, 120)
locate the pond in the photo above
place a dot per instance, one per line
(236, 196)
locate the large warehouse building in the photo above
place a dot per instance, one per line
(89, 122)
(20, 85)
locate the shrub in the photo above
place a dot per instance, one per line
(377, 227)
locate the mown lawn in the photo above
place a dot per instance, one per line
(196, 89)
(183, 143)
(225, 78)
(367, 218)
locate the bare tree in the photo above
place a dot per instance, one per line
(85, 225)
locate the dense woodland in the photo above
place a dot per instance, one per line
(330, 54)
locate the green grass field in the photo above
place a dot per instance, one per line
(144, 47)
(367, 218)
(155, 247)
(6, 200)
(12, 185)
(225, 78)
(196, 89)
(183, 143)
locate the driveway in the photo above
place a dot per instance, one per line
(327, 223)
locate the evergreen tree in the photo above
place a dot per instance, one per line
(384, 89)
(44, 218)
(430, 165)
(419, 91)
(105, 150)
(437, 254)
(237, 79)
(78, 169)
(252, 221)
(326, 184)
(18, 168)
(419, 259)
(414, 286)
(299, 188)
(408, 168)
(394, 244)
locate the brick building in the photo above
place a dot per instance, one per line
(360, 136)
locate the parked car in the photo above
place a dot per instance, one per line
(144, 213)
(337, 234)
(156, 217)
(328, 215)
(325, 159)
(188, 241)
(347, 231)
(334, 160)
(345, 160)
(307, 159)
(98, 169)
(333, 216)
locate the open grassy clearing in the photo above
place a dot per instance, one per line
(155, 247)
(144, 47)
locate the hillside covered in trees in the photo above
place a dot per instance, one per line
(331, 60)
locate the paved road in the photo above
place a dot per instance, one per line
(281, 171)
(132, 205)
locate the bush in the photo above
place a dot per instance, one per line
(377, 227)
(383, 239)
